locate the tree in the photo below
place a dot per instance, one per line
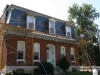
(64, 64)
(83, 15)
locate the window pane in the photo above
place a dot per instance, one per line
(51, 30)
(72, 57)
(36, 51)
(36, 55)
(68, 34)
(21, 46)
(72, 54)
(30, 25)
(63, 51)
(52, 27)
(20, 54)
(30, 22)
(68, 31)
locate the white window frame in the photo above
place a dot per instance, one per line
(29, 20)
(63, 51)
(52, 25)
(21, 50)
(68, 30)
(72, 51)
(34, 50)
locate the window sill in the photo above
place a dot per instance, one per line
(30, 28)
(73, 61)
(36, 60)
(20, 60)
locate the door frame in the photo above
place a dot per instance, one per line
(54, 58)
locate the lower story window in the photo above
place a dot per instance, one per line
(63, 52)
(20, 50)
(72, 55)
(36, 51)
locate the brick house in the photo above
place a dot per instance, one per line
(31, 37)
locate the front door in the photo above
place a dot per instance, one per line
(51, 54)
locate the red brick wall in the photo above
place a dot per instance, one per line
(12, 57)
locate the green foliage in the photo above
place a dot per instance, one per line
(15, 73)
(64, 64)
(9, 73)
(84, 17)
(48, 67)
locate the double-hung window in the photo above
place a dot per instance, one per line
(68, 31)
(72, 54)
(20, 51)
(63, 52)
(30, 22)
(36, 52)
(52, 27)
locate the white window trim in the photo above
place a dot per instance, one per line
(68, 27)
(20, 60)
(36, 60)
(23, 52)
(74, 54)
(64, 50)
(33, 21)
(39, 53)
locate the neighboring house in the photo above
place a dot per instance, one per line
(31, 37)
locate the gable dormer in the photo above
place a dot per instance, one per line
(31, 20)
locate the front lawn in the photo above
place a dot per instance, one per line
(80, 73)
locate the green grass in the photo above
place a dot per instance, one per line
(81, 73)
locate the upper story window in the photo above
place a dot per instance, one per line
(20, 51)
(30, 22)
(36, 51)
(52, 28)
(72, 54)
(68, 31)
(63, 52)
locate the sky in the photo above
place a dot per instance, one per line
(54, 8)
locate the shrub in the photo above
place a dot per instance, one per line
(48, 67)
(64, 64)
(9, 73)
(15, 73)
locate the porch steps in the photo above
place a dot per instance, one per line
(58, 71)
